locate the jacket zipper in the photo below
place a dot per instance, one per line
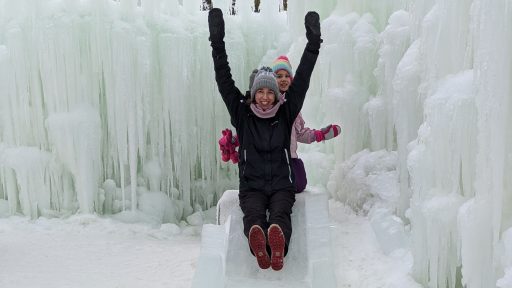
(289, 168)
(245, 160)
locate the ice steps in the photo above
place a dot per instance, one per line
(225, 260)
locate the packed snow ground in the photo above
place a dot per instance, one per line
(90, 251)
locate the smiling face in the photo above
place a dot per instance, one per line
(265, 98)
(283, 80)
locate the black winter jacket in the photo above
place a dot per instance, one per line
(265, 160)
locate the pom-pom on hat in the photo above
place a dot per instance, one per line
(265, 78)
(282, 63)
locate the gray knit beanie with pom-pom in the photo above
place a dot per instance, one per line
(264, 78)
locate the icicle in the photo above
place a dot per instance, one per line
(76, 140)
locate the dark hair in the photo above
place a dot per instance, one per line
(247, 97)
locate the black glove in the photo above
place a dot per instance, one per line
(216, 25)
(313, 34)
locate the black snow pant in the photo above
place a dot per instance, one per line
(279, 204)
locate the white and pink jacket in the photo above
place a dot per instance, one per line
(300, 134)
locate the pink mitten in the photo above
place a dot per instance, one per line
(319, 136)
(328, 132)
(224, 143)
(227, 145)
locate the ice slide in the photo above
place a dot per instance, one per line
(225, 260)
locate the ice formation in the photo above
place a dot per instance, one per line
(102, 102)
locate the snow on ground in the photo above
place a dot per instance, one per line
(359, 260)
(90, 251)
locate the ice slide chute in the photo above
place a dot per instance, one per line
(225, 260)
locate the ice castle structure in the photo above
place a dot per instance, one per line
(225, 260)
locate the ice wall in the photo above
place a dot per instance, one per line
(97, 90)
(490, 208)
(142, 73)
(442, 175)
(440, 99)
(450, 162)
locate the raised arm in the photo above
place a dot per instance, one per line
(307, 135)
(302, 77)
(230, 94)
(304, 134)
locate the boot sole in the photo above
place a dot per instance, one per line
(258, 244)
(276, 243)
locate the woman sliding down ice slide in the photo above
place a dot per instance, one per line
(264, 125)
(300, 133)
